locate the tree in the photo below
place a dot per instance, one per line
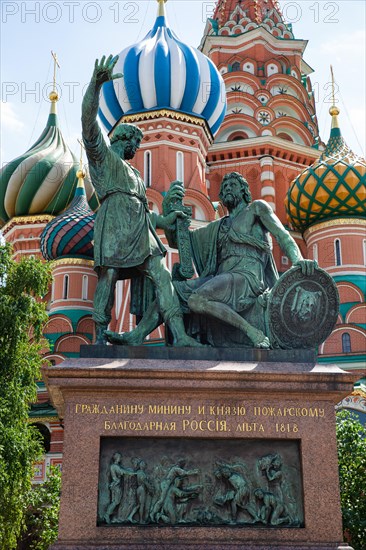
(351, 436)
(22, 316)
(41, 517)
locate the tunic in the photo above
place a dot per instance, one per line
(124, 233)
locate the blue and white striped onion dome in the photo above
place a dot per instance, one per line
(42, 180)
(161, 72)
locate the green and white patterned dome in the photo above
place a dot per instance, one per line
(42, 180)
(333, 187)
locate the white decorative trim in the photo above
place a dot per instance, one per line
(352, 286)
(266, 161)
(27, 252)
(253, 37)
(267, 190)
(353, 271)
(267, 141)
(353, 309)
(267, 175)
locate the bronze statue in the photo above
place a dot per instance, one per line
(126, 244)
(227, 302)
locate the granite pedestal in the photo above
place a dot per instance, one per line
(198, 400)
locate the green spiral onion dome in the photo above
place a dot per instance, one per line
(333, 187)
(42, 180)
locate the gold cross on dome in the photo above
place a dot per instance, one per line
(81, 153)
(55, 64)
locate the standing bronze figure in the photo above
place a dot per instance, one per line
(126, 244)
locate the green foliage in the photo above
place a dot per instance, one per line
(22, 315)
(41, 518)
(351, 435)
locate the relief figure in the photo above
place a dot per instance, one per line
(175, 504)
(237, 495)
(174, 472)
(117, 473)
(271, 510)
(144, 491)
(216, 483)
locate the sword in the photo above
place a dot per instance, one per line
(183, 269)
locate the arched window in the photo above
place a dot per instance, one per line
(238, 138)
(53, 291)
(180, 166)
(235, 66)
(45, 436)
(282, 135)
(65, 293)
(147, 168)
(337, 252)
(84, 292)
(248, 67)
(346, 343)
(272, 69)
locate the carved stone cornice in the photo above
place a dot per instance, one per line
(332, 223)
(26, 220)
(72, 261)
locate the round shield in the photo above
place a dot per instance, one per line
(302, 309)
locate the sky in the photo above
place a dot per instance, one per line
(80, 31)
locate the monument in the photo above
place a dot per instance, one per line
(225, 436)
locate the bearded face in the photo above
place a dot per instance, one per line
(126, 147)
(231, 193)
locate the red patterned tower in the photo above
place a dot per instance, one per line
(270, 131)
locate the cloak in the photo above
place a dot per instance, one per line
(124, 233)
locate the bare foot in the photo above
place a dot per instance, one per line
(265, 344)
(259, 339)
(123, 338)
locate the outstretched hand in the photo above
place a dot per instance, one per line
(307, 266)
(103, 69)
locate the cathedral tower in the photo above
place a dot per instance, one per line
(270, 131)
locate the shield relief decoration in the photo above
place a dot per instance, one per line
(302, 310)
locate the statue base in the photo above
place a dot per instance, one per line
(169, 448)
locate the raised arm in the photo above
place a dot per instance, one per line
(283, 237)
(102, 73)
